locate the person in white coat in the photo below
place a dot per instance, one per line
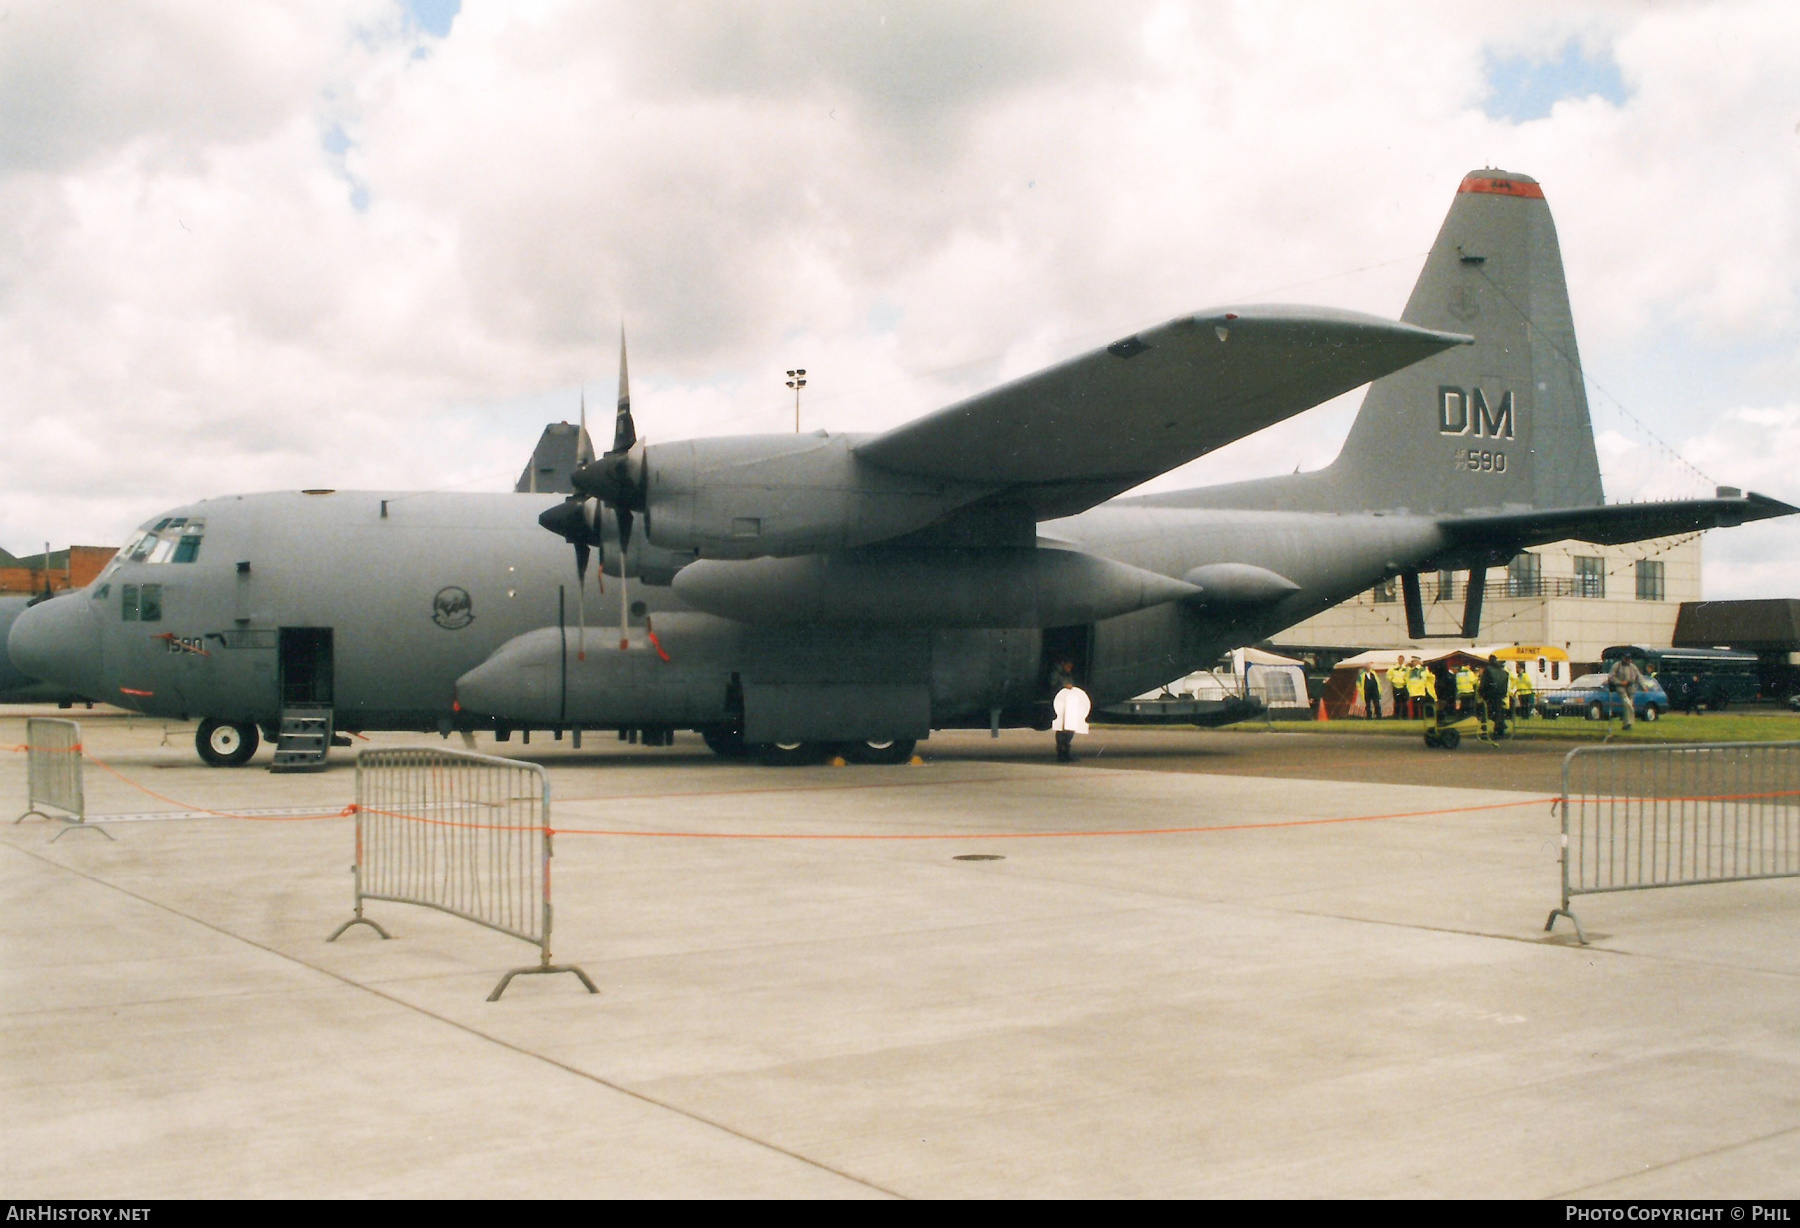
(1072, 707)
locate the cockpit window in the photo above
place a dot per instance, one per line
(140, 603)
(175, 539)
(103, 592)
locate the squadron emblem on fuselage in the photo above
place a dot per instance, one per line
(452, 608)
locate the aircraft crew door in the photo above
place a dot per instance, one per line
(1067, 650)
(306, 667)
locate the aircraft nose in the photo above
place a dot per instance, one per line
(58, 641)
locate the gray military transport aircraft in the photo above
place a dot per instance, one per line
(800, 591)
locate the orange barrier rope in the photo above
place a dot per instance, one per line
(351, 809)
(1045, 835)
(106, 767)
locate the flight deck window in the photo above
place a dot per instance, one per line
(162, 552)
(128, 603)
(150, 603)
(141, 549)
(187, 550)
(103, 592)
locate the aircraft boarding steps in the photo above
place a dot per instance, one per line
(305, 739)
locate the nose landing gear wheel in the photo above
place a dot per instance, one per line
(223, 744)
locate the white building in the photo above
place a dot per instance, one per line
(1576, 595)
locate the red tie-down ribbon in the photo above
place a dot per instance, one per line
(654, 642)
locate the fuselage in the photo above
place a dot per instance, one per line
(378, 602)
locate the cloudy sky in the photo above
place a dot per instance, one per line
(365, 243)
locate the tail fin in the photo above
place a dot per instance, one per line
(1500, 425)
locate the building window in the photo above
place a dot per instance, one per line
(1446, 588)
(1525, 576)
(1384, 592)
(1650, 580)
(1590, 577)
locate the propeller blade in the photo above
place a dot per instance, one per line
(584, 442)
(625, 519)
(582, 551)
(624, 429)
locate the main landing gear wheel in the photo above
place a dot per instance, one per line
(791, 754)
(890, 750)
(725, 743)
(224, 744)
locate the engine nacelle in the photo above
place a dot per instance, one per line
(760, 495)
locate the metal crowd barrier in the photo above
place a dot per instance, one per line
(1640, 817)
(53, 774)
(462, 833)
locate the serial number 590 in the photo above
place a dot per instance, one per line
(1471, 461)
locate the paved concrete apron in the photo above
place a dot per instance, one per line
(1269, 1005)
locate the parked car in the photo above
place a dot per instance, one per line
(1590, 696)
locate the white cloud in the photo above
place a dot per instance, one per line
(913, 201)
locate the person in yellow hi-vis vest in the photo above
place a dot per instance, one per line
(1397, 682)
(1523, 690)
(1416, 680)
(1465, 689)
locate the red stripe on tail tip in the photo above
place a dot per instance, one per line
(1501, 187)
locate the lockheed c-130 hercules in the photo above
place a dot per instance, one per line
(789, 592)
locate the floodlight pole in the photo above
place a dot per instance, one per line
(797, 381)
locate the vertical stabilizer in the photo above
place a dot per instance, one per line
(1502, 424)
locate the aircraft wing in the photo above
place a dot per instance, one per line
(1078, 433)
(1613, 524)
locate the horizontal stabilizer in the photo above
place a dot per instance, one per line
(1611, 525)
(1080, 432)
